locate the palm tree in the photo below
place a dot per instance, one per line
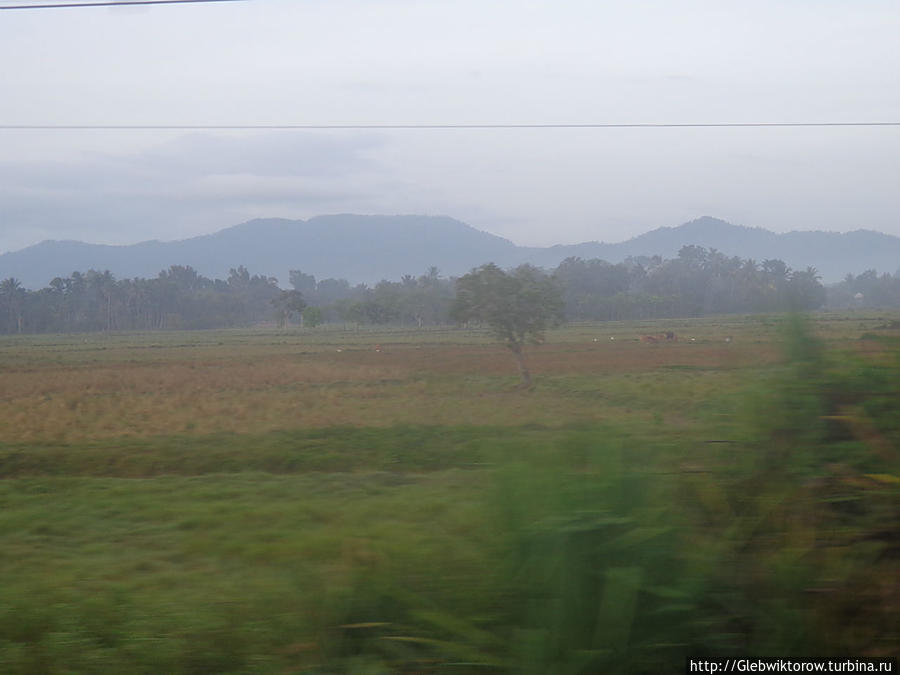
(12, 296)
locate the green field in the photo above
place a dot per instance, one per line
(346, 501)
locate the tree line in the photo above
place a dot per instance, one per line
(697, 282)
(96, 301)
(866, 290)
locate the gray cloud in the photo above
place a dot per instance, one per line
(184, 187)
(467, 61)
(290, 153)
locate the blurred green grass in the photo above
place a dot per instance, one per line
(695, 510)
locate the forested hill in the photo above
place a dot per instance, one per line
(833, 254)
(366, 249)
(362, 249)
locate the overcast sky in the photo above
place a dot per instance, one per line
(411, 61)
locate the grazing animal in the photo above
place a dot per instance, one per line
(728, 339)
(668, 336)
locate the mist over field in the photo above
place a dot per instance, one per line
(369, 249)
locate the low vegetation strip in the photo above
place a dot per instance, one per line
(335, 449)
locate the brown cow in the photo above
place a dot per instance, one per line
(668, 336)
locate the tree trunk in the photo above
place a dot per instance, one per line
(516, 349)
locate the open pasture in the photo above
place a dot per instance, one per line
(287, 501)
(75, 388)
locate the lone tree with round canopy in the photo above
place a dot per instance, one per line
(518, 306)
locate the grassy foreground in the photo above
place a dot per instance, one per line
(274, 502)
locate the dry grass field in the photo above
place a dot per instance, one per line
(76, 388)
(336, 500)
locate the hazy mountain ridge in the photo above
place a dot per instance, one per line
(370, 248)
(833, 254)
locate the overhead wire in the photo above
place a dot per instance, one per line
(426, 126)
(108, 3)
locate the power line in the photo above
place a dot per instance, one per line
(389, 126)
(108, 3)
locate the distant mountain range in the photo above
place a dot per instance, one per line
(366, 249)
